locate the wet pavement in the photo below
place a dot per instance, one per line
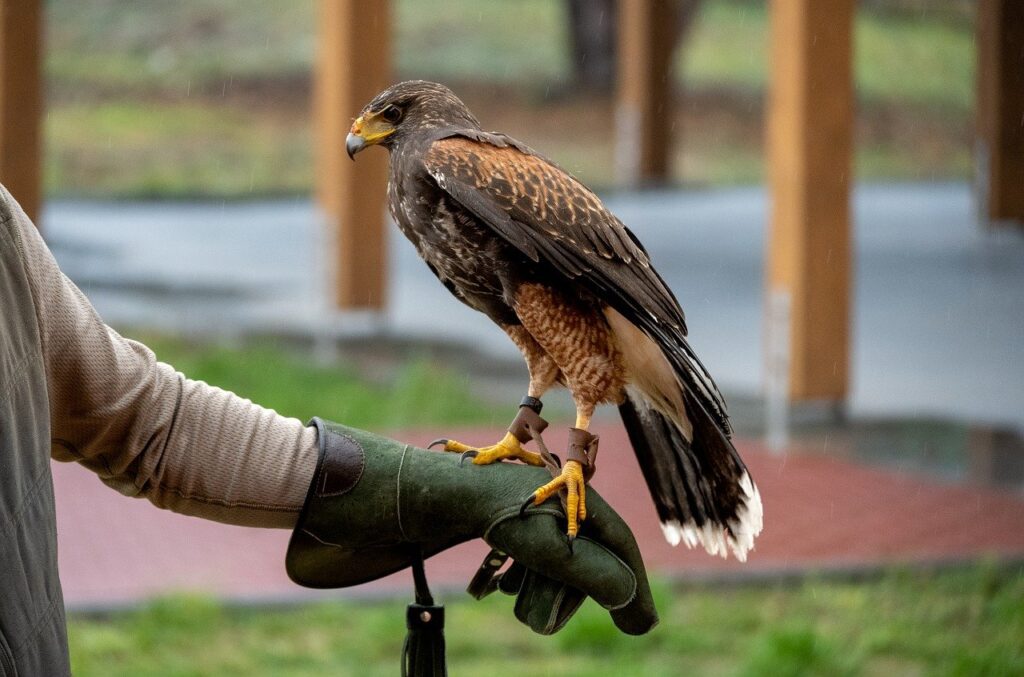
(938, 324)
(823, 514)
(926, 467)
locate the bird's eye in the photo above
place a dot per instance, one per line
(391, 114)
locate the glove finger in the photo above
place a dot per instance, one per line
(546, 605)
(537, 543)
(485, 581)
(511, 581)
(605, 526)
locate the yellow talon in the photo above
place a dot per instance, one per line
(575, 485)
(508, 447)
(452, 445)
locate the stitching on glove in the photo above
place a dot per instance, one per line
(552, 625)
(632, 576)
(514, 512)
(398, 493)
(570, 611)
(320, 540)
(504, 515)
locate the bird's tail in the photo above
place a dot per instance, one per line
(699, 484)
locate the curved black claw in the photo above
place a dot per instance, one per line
(557, 459)
(441, 440)
(472, 453)
(526, 504)
(571, 539)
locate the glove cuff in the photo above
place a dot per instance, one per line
(339, 465)
(348, 531)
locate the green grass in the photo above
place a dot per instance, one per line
(210, 98)
(968, 622)
(205, 44)
(928, 63)
(416, 394)
(173, 150)
(467, 40)
(174, 47)
(925, 61)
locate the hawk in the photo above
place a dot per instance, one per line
(514, 236)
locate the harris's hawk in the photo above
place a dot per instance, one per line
(514, 236)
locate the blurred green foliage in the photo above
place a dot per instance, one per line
(919, 59)
(210, 98)
(967, 622)
(416, 393)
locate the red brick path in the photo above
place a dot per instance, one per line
(819, 513)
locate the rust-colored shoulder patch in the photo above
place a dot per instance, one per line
(536, 193)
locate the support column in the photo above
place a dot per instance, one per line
(644, 110)
(810, 121)
(999, 151)
(353, 64)
(21, 101)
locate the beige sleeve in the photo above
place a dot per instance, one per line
(148, 431)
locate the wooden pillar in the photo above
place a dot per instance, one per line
(810, 120)
(353, 65)
(21, 101)
(1000, 111)
(644, 110)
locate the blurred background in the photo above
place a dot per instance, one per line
(212, 98)
(834, 190)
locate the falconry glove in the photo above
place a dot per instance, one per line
(376, 506)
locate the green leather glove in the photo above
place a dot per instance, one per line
(375, 504)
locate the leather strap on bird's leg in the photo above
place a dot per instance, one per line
(551, 462)
(527, 425)
(554, 466)
(583, 450)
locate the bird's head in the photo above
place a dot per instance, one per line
(402, 110)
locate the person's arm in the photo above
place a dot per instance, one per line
(148, 431)
(195, 449)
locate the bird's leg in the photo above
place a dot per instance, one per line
(527, 422)
(577, 337)
(578, 469)
(524, 426)
(567, 340)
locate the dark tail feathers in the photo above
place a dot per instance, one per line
(702, 490)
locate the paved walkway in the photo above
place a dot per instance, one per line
(938, 311)
(938, 330)
(820, 513)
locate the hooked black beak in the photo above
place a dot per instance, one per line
(353, 144)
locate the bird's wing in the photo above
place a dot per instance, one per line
(551, 217)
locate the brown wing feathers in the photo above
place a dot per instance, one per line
(550, 216)
(530, 200)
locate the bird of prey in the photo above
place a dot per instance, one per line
(514, 236)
